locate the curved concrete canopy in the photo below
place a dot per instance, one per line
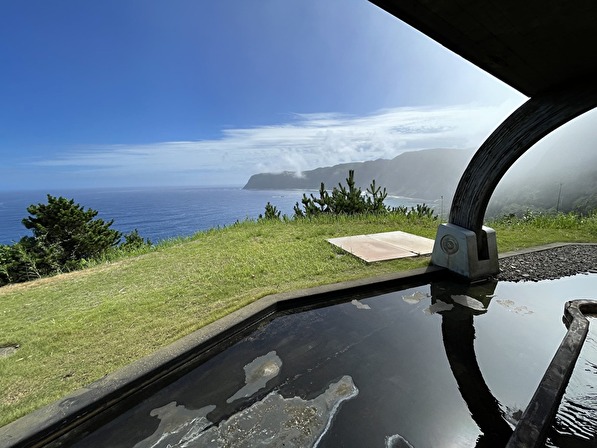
(532, 121)
(544, 49)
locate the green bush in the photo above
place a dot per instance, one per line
(133, 241)
(16, 265)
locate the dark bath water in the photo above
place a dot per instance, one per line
(439, 365)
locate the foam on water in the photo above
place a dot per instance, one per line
(468, 302)
(438, 307)
(414, 298)
(397, 441)
(289, 422)
(257, 374)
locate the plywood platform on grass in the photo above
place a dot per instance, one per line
(384, 246)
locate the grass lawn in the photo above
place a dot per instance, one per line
(75, 328)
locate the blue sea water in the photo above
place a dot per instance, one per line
(158, 213)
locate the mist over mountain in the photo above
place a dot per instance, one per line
(558, 179)
(557, 174)
(424, 174)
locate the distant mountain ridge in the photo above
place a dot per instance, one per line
(555, 177)
(424, 174)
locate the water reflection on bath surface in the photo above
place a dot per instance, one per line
(576, 421)
(435, 365)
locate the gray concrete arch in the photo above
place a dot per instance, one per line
(464, 245)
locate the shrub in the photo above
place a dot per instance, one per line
(344, 200)
(421, 211)
(134, 241)
(271, 212)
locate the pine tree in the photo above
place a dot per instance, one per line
(271, 213)
(64, 233)
(343, 200)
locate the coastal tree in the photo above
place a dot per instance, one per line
(343, 200)
(64, 236)
(64, 233)
(350, 200)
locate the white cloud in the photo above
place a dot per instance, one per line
(305, 142)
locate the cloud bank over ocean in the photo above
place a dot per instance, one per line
(304, 141)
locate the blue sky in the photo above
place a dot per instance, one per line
(199, 92)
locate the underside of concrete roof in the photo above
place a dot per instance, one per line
(531, 45)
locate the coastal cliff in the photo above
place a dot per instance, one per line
(425, 174)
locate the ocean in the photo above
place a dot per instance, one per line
(159, 213)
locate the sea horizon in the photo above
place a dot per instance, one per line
(158, 213)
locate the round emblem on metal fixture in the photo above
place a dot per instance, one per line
(449, 244)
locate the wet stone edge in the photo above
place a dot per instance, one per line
(531, 430)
